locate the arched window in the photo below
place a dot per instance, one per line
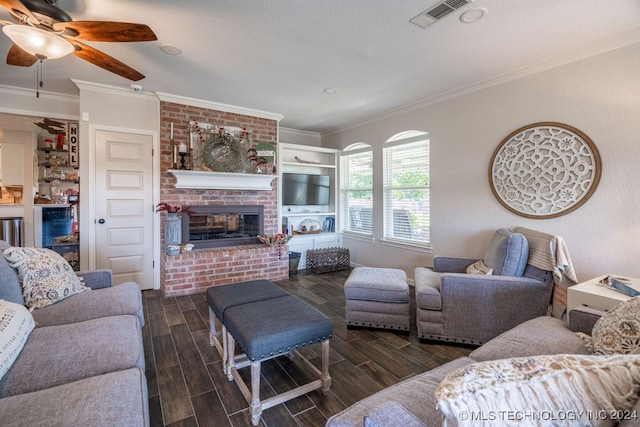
(406, 188)
(356, 189)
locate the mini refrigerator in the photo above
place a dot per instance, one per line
(52, 222)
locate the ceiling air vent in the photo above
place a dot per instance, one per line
(438, 11)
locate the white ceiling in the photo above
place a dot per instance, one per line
(279, 55)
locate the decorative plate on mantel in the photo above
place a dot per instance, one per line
(545, 170)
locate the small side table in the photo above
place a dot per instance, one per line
(591, 294)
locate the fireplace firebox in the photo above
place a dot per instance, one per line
(214, 226)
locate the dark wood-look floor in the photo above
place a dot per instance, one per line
(187, 387)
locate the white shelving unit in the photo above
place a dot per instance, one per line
(294, 158)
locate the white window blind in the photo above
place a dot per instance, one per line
(356, 189)
(406, 188)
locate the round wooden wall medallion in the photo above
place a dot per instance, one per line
(545, 170)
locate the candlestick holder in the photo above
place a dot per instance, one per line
(183, 161)
(190, 159)
(174, 154)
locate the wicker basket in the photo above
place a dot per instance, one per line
(327, 259)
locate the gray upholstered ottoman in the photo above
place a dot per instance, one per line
(266, 322)
(222, 297)
(271, 328)
(378, 298)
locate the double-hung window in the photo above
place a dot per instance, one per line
(356, 189)
(406, 188)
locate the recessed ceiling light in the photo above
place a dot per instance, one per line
(473, 15)
(170, 49)
(331, 90)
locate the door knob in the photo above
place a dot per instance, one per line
(101, 221)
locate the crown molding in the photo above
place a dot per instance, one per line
(624, 40)
(22, 92)
(177, 99)
(292, 131)
(12, 90)
(113, 90)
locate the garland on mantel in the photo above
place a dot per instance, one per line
(220, 130)
(224, 150)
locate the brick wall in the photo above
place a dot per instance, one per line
(193, 272)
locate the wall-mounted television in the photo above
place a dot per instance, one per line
(305, 189)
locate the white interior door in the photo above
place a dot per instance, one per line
(124, 206)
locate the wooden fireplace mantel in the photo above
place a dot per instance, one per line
(221, 180)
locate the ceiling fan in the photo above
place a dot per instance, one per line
(64, 35)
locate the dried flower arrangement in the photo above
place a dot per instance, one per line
(166, 207)
(274, 240)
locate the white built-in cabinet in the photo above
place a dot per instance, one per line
(313, 160)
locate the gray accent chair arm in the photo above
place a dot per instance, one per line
(443, 264)
(499, 302)
(582, 319)
(97, 279)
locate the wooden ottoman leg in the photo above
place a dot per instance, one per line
(213, 332)
(231, 350)
(256, 405)
(225, 355)
(326, 378)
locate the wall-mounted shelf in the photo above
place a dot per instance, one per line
(309, 165)
(306, 214)
(57, 166)
(222, 180)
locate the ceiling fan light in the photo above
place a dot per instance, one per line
(37, 42)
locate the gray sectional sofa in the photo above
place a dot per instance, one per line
(412, 402)
(83, 364)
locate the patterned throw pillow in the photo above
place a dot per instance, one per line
(16, 323)
(618, 330)
(563, 389)
(478, 267)
(46, 277)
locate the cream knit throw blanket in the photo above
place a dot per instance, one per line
(539, 391)
(550, 252)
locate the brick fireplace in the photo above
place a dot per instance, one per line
(195, 271)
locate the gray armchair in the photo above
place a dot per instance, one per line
(452, 305)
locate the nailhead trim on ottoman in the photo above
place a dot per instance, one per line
(377, 297)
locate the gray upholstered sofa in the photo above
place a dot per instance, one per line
(412, 401)
(83, 363)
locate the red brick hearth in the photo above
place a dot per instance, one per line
(193, 272)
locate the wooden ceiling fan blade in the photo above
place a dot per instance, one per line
(21, 58)
(104, 31)
(16, 8)
(105, 61)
